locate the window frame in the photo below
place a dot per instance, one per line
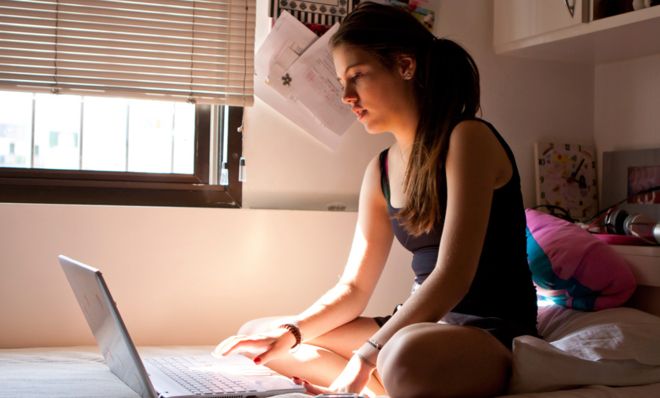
(36, 185)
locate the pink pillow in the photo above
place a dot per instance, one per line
(573, 268)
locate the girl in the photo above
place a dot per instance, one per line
(449, 190)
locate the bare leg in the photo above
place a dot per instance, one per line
(438, 360)
(320, 360)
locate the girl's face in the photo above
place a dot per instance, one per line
(382, 99)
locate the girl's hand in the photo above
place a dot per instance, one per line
(353, 378)
(261, 348)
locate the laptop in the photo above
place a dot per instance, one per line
(233, 376)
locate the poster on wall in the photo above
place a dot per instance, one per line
(628, 173)
(420, 9)
(320, 15)
(644, 184)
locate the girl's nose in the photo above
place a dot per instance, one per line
(349, 96)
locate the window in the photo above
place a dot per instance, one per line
(71, 149)
(96, 133)
(124, 102)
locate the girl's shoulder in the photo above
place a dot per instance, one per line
(472, 132)
(475, 124)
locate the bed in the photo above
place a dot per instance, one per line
(612, 350)
(538, 366)
(609, 353)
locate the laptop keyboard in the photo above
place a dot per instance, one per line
(188, 374)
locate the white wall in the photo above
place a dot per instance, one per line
(627, 100)
(179, 276)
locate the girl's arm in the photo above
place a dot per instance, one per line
(371, 245)
(349, 297)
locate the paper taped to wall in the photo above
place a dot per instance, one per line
(295, 75)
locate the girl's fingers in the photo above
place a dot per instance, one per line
(241, 344)
(225, 345)
(274, 349)
(264, 357)
(311, 388)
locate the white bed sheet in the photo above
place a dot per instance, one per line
(67, 372)
(72, 372)
(614, 347)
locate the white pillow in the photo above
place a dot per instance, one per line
(614, 347)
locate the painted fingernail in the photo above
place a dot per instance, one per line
(257, 360)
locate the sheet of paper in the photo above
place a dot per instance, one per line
(288, 39)
(314, 84)
(294, 74)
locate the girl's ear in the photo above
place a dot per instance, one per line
(406, 65)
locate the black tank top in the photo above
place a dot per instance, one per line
(502, 286)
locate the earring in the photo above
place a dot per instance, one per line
(407, 76)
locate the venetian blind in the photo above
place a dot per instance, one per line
(188, 50)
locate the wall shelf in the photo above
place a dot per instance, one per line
(625, 36)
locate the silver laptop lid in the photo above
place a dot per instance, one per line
(107, 326)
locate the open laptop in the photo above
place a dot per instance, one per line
(233, 376)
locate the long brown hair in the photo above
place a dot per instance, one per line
(447, 90)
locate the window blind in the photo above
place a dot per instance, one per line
(200, 51)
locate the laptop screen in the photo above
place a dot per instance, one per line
(107, 326)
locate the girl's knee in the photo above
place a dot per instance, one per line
(432, 360)
(405, 346)
(401, 360)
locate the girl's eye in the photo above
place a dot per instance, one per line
(355, 77)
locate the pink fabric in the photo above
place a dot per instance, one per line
(576, 255)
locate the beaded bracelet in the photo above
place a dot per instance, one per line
(295, 331)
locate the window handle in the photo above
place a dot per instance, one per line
(241, 169)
